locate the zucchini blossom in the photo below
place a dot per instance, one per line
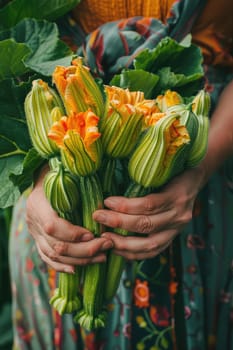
(161, 152)
(78, 88)
(78, 138)
(42, 106)
(124, 120)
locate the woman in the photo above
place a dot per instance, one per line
(188, 283)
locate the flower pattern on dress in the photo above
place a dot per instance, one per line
(141, 293)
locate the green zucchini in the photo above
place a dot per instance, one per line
(93, 314)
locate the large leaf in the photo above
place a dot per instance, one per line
(14, 137)
(30, 164)
(171, 80)
(16, 10)
(16, 175)
(12, 96)
(42, 37)
(169, 53)
(12, 55)
(175, 66)
(136, 80)
(9, 193)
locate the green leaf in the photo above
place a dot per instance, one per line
(170, 80)
(9, 193)
(136, 80)
(30, 164)
(12, 96)
(16, 10)
(47, 68)
(171, 65)
(14, 137)
(12, 55)
(16, 175)
(42, 37)
(169, 53)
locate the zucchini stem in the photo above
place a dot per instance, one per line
(92, 315)
(116, 263)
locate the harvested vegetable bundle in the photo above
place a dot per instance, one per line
(98, 127)
(165, 149)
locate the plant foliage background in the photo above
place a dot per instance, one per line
(29, 48)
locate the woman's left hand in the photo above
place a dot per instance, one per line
(158, 217)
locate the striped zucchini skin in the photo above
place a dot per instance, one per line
(116, 263)
(65, 298)
(39, 104)
(93, 315)
(61, 189)
(108, 177)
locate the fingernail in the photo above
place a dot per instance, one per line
(87, 237)
(107, 245)
(100, 217)
(69, 269)
(111, 202)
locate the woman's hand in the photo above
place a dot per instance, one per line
(159, 217)
(60, 243)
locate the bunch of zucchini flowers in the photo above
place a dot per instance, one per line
(83, 128)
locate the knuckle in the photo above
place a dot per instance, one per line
(91, 251)
(117, 221)
(148, 204)
(52, 255)
(61, 248)
(144, 224)
(49, 228)
(122, 206)
(73, 236)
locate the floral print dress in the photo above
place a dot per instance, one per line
(180, 300)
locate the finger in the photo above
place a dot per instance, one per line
(137, 245)
(151, 204)
(44, 220)
(63, 230)
(55, 260)
(142, 255)
(87, 249)
(139, 224)
(53, 264)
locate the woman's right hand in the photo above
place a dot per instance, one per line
(61, 244)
